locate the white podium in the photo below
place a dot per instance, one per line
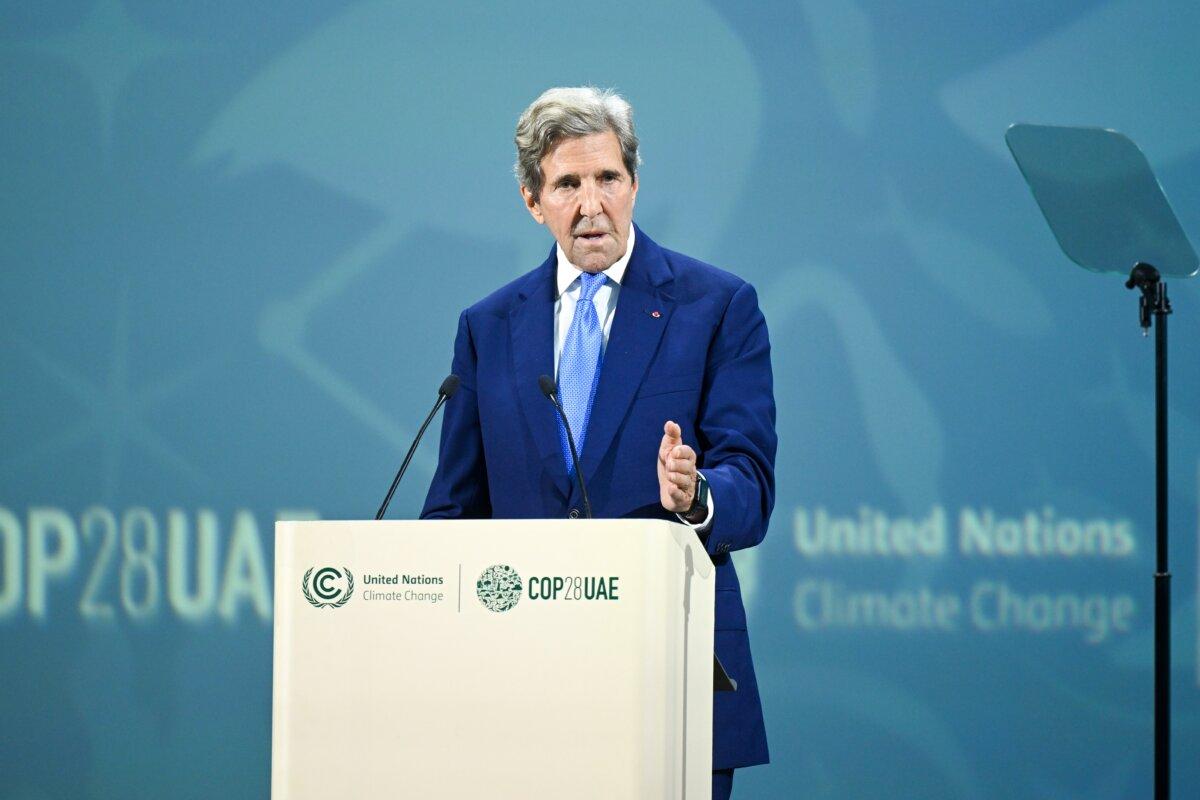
(492, 659)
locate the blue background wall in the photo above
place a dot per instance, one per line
(235, 240)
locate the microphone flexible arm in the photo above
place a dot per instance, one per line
(546, 384)
(445, 392)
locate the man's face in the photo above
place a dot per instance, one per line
(587, 200)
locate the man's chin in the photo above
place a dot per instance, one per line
(593, 261)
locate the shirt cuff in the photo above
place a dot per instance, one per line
(702, 528)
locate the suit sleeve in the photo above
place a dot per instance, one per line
(736, 426)
(460, 488)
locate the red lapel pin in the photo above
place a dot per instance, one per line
(656, 314)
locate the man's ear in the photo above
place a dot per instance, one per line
(535, 207)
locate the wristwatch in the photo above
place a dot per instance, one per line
(698, 510)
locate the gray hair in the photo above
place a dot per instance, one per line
(564, 113)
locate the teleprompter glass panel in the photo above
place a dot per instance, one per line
(1101, 199)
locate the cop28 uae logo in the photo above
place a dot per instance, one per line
(499, 587)
(325, 585)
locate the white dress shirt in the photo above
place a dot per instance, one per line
(605, 300)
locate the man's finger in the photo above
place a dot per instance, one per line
(672, 432)
(669, 442)
(681, 479)
(685, 465)
(683, 455)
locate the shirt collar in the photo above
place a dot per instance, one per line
(568, 272)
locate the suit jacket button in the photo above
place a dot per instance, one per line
(574, 513)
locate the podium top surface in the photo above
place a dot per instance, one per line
(526, 532)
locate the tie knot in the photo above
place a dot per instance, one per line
(590, 284)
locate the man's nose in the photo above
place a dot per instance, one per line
(589, 200)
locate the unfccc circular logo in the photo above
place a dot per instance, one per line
(499, 587)
(328, 586)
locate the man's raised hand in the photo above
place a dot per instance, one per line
(676, 470)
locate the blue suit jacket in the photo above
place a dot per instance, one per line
(688, 343)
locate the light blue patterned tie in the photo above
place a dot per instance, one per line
(579, 366)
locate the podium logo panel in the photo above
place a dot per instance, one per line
(332, 587)
(499, 588)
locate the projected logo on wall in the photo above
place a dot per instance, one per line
(329, 594)
(981, 542)
(499, 588)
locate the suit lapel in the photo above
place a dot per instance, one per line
(643, 308)
(531, 327)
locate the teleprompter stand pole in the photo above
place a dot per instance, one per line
(1107, 210)
(1154, 304)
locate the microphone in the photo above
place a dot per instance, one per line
(445, 392)
(546, 384)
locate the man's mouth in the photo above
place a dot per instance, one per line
(594, 236)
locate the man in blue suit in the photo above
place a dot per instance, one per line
(662, 365)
